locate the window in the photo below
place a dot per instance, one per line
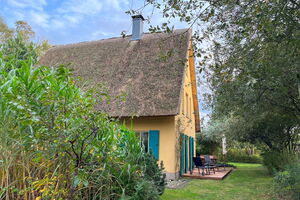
(182, 106)
(186, 71)
(187, 104)
(190, 104)
(144, 138)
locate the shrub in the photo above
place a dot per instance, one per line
(54, 145)
(287, 182)
(277, 161)
(154, 173)
(206, 146)
(239, 155)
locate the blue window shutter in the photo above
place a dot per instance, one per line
(154, 143)
(193, 147)
(191, 153)
(186, 154)
(182, 153)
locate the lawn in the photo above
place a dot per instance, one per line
(248, 181)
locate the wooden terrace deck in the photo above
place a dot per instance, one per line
(219, 175)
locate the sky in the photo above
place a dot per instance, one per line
(72, 21)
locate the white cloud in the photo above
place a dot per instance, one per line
(19, 15)
(39, 18)
(99, 33)
(86, 7)
(116, 4)
(33, 4)
(57, 24)
(63, 21)
(73, 19)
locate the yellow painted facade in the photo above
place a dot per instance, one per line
(185, 120)
(171, 127)
(167, 140)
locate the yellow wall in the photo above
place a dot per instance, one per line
(170, 127)
(185, 121)
(165, 124)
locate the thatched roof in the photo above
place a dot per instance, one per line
(149, 71)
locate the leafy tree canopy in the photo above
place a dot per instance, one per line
(251, 64)
(24, 30)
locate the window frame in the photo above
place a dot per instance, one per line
(190, 104)
(187, 104)
(140, 132)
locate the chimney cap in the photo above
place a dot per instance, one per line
(138, 16)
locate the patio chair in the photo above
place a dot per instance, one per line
(217, 164)
(221, 165)
(209, 163)
(198, 163)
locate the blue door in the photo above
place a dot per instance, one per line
(154, 143)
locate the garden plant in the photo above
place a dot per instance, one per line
(55, 145)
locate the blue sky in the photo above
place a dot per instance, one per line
(72, 21)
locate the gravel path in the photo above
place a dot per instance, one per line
(175, 184)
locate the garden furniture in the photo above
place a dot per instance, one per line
(198, 163)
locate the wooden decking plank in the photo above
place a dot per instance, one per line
(219, 175)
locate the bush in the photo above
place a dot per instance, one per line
(287, 182)
(239, 155)
(206, 146)
(277, 161)
(54, 145)
(154, 173)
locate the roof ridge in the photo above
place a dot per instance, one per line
(142, 77)
(176, 31)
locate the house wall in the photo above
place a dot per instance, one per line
(167, 139)
(171, 127)
(185, 120)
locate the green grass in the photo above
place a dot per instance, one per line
(247, 182)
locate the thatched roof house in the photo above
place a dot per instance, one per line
(151, 71)
(148, 72)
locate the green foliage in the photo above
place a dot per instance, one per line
(54, 145)
(144, 190)
(250, 77)
(240, 155)
(206, 146)
(5, 31)
(16, 50)
(248, 181)
(277, 161)
(287, 182)
(251, 65)
(21, 30)
(155, 174)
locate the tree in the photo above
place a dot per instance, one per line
(5, 31)
(22, 29)
(252, 63)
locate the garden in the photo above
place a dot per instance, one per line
(54, 145)
(248, 181)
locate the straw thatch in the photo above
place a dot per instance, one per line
(149, 72)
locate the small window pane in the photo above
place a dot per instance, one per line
(138, 134)
(145, 140)
(143, 136)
